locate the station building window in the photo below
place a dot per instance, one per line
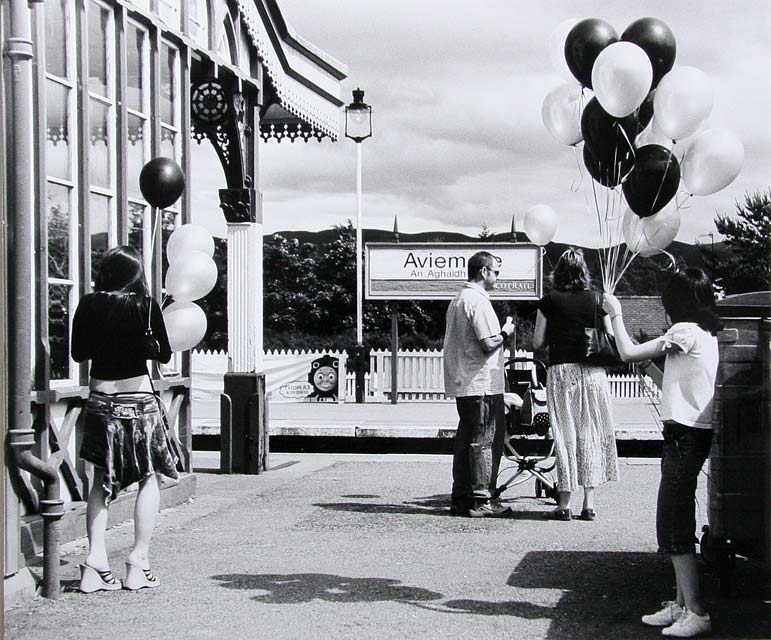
(199, 21)
(102, 135)
(61, 194)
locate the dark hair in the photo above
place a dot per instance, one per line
(690, 297)
(478, 261)
(571, 272)
(121, 271)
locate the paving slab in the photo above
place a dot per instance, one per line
(635, 419)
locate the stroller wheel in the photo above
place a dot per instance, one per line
(553, 493)
(538, 488)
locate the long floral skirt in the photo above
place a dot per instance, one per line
(581, 415)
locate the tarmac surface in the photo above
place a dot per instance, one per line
(353, 546)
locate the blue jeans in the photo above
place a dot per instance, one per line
(478, 448)
(684, 453)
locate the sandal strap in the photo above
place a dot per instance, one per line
(106, 576)
(149, 575)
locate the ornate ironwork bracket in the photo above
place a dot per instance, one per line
(218, 114)
(239, 205)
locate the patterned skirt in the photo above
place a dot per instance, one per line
(125, 436)
(581, 414)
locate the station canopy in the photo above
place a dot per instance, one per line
(302, 84)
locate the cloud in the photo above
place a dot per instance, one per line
(457, 88)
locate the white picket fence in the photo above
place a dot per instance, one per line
(420, 377)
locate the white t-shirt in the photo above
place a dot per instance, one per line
(689, 375)
(468, 370)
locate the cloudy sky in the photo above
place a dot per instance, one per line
(457, 88)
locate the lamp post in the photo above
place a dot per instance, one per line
(358, 127)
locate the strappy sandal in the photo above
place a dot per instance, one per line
(94, 580)
(139, 578)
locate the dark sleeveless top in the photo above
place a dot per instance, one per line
(567, 314)
(109, 329)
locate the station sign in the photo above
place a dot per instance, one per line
(437, 270)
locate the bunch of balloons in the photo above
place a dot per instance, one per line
(192, 274)
(642, 104)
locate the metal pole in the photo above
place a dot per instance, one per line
(359, 310)
(394, 353)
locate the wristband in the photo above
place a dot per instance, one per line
(504, 335)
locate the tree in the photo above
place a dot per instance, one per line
(744, 263)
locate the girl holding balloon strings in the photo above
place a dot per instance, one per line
(119, 327)
(691, 350)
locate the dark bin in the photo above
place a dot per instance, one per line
(738, 487)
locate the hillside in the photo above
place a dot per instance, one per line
(645, 276)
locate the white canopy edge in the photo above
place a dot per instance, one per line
(314, 100)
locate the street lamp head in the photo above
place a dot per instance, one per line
(358, 118)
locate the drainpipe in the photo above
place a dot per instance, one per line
(21, 442)
(20, 239)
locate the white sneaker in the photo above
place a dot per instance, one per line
(688, 625)
(664, 617)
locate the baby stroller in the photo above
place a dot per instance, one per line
(529, 426)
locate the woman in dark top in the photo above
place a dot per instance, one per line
(578, 396)
(119, 327)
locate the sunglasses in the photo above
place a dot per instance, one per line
(495, 271)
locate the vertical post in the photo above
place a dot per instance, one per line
(360, 351)
(394, 352)
(19, 243)
(359, 306)
(395, 336)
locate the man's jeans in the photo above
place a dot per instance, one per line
(478, 448)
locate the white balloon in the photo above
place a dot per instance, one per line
(191, 276)
(185, 324)
(682, 100)
(561, 113)
(540, 224)
(557, 47)
(653, 135)
(713, 159)
(189, 237)
(648, 236)
(621, 78)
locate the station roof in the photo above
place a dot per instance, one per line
(303, 83)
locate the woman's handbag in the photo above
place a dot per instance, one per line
(601, 347)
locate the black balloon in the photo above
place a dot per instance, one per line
(584, 43)
(657, 40)
(608, 174)
(609, 139)
(653, 180)
(645, 111)
(161, 181)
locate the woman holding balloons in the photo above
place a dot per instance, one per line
(688, 388)
(119, 327)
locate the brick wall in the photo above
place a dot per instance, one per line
(643, 313)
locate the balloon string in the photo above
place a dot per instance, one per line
(599, 227)
(681, 205)
(575, 187)
(628, 141)
(661, 185)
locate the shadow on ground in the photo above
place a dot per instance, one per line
(604, 595)
(304, 587)
(436, 505)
